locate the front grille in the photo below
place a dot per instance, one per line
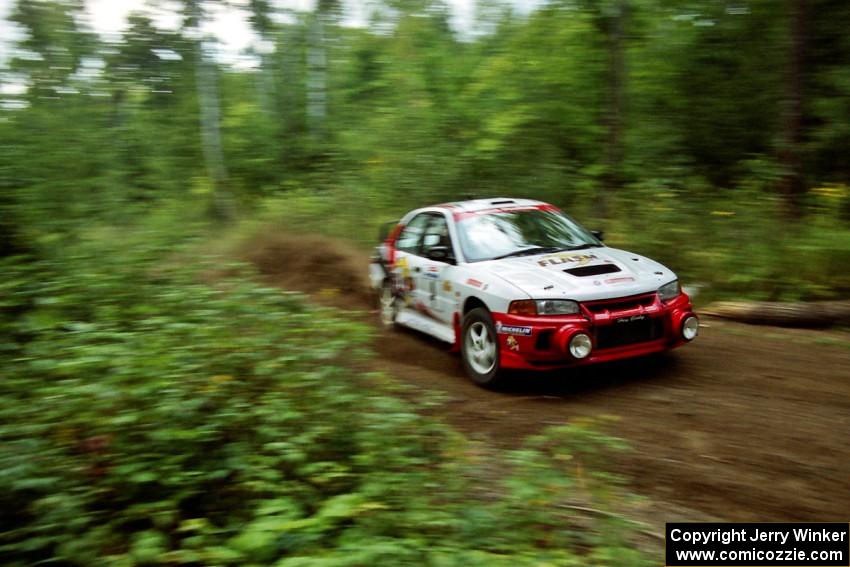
(621, 304)
(629, 331)
(598, 270)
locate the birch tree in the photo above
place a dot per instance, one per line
(209, 113)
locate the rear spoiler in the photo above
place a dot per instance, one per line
(385, 229)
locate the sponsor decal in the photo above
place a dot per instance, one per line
(620, 280)
(447, 286)
(513, 330)
(460, 215)
(422, 308)
(512, 343)
(403, 267)
(474, 283)
(555, 259)
(631, 319)
(431, 275)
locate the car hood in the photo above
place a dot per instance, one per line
(582, 275)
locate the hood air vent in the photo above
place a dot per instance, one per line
(598, 270)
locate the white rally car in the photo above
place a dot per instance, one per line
(517, 284)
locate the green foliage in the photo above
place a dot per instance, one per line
(731, 241)
(149, 417)
(153, 411)
(356, 125)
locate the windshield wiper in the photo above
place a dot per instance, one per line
(582, 247)
(529, 251)
(544, 249)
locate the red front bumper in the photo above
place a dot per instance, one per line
(619, 328)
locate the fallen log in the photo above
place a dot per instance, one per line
(817, 314)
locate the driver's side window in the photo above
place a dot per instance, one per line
(408, 240)
(437, 236)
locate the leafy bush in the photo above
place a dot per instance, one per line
(733, 243)
(738, 243)
(150, 418)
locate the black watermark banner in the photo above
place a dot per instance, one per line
(757, 545)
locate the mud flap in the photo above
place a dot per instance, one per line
(377, 275)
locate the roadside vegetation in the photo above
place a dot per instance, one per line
(708, 135)
(727, 249)
(160, 410)
(160, 407)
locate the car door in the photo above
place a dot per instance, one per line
(408, 263)
(434, 280)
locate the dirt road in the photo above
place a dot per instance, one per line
(745, 424)
(735, 426)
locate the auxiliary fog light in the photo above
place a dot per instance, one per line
(580, 345)
(690, 328)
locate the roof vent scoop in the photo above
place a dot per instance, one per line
(598, 270)
(503, 202)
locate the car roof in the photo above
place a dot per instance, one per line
(474, 205)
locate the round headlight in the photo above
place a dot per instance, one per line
(580, 345)
(690, 328)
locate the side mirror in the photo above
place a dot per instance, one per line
(598, 234)
(438, 254)
(385, 229)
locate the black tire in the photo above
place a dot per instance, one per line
(476, 363)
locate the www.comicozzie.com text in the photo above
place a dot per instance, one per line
(726, 536)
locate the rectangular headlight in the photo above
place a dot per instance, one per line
(543, 307)
(669, 291)
(556, 307)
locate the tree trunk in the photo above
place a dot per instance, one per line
(317, 79)
(792, 184)
(812, 315)
(614, 85)
(210, 122)
(266, 83)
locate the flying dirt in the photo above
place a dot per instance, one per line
(747, 424)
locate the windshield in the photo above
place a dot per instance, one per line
(505, 233)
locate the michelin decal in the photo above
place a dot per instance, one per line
(513, 330)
